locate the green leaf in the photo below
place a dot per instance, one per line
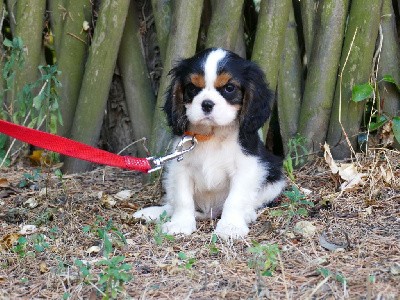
(7, 43)
(396, 128)
(389, 78)
(182, 255)
(361, 92)
(324, 272)
(381, 120)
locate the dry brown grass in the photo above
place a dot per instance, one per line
(369, 215)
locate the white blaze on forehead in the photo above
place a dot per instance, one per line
(211, 65)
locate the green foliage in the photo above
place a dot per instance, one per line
(213, 245)
(366, 91)
(294, 157)
(361, 92)
(114, 276)
(187, 262)
(158, 235)
(264, 258)
(295, 207)
(335, 275)
(108, 233)
(20, 247)
(36, 242)
(84, 270)
(30, 178)
(38, 109)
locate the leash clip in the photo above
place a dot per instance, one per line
(186, 144)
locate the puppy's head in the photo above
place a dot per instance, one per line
(217, 88)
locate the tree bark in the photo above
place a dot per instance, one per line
(97, 78)
(30, 15)
(308, 12)
(289, 84)
(139, 95)
(389, 62)
(12, 14)
(58, 16)
(240, 45)
(182, 44)
(73, 47)
(224, 26)
(322, 72)
(162, 17)
(270, 40)
(356, 67)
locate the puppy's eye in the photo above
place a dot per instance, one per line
(229, 88)
(192, 88)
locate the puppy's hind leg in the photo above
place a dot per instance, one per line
(153, 213)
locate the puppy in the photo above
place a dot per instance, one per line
(222, 100)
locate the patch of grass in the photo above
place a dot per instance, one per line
(114, 276)
(264, 258)
(295, 207)
(158, 234)
(295, 155)
(188, 262)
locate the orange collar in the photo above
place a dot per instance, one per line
(200, 137)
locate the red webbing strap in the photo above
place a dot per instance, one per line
(72, 148)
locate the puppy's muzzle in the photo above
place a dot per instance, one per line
(207, 106)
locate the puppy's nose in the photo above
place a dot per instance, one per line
(207, 106)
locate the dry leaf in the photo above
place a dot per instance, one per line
(348, 172)
(305, 228)
(31, 203)
(387, 175)
(28, 229)
(107, 201)
(123, 195)
(43, 267)
(93, 249)
(4, 183)
(8, 241)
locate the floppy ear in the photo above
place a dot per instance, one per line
(174, 106)
(256, 101)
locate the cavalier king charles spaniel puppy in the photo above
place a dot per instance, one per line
(222, 100)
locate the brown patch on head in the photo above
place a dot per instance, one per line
(222, 79)
(198, 80)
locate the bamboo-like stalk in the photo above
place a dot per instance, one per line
(162, 10)
(356, 66)
(59, 14)
(289, 84)
(270, 40)
(308, 14)
(389, 63)
(139, 95)
(322, 72)
(182, 44)
(73, 47)
(97, 78)
(224, 25)
(30, 17)
(12, 14)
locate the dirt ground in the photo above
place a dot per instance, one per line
(75, 227)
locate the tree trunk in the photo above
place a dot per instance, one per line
(59, 15)
(73, 47)
(240, 45)
(139, 95)
(224, 26)
(356, 67)
(270, 40)
(182, 44)
(12, 14)
(308, 12)
(389, 62)
(162, 18)
(30, 14)
(289, 84)
(97, 78)
(322, 72)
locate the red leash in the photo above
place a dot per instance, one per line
(74, 149)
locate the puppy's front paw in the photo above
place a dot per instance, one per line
(180, 224)
(232, 228)
(152, 213)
